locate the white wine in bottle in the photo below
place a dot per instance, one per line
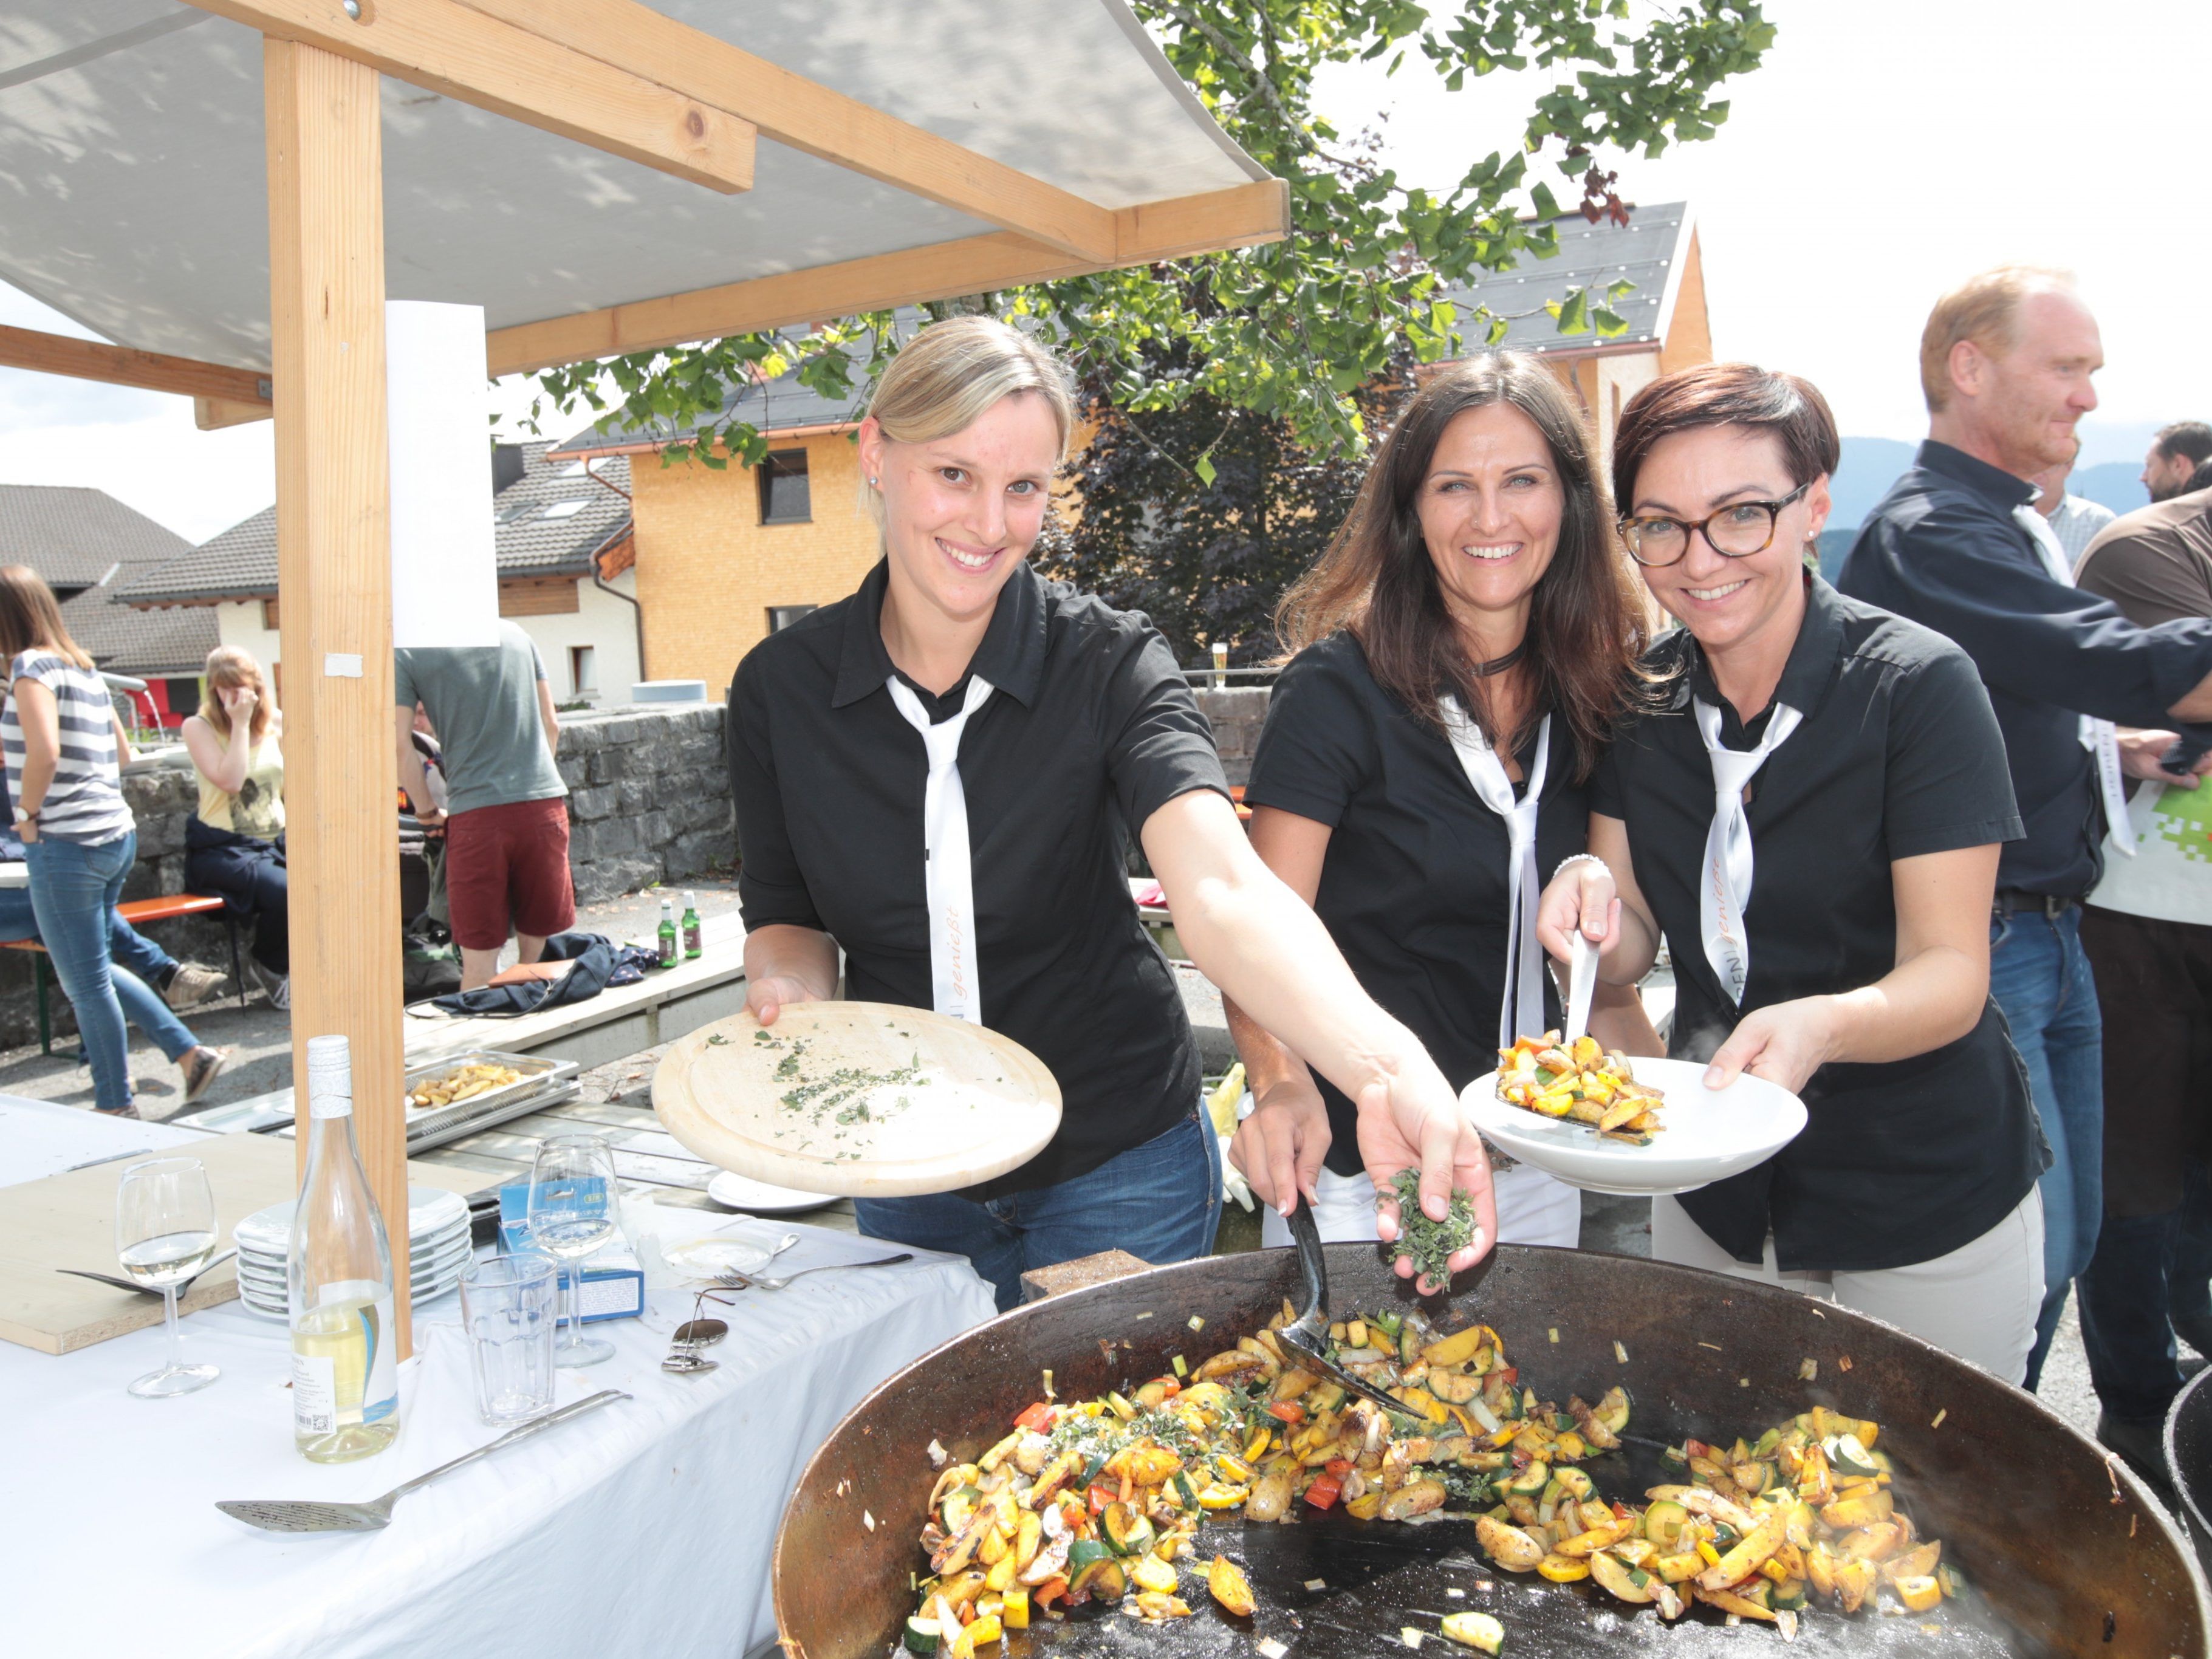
(345, 1370)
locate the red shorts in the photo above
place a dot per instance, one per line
(508, 866)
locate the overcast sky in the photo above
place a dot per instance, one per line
(1886, 147)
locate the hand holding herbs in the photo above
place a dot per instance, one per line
(1432, 1244)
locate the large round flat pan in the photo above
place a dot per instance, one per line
(857, 1099)
(2064, 1551)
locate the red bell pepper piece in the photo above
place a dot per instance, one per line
(1324, 1492)
(1035, 1419)
(1338, 1467)
(1511, 1374)
(1051, 1590)
(1288, 1411)
(1101, 1495)
(1169, 1388)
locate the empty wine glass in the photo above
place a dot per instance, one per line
(572, 1214)
(164, 1234)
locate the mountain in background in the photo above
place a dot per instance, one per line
(1870, 465)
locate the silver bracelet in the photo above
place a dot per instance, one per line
(1568, 863)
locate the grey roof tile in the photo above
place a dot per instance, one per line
(1647, 251)
(537, 533)
(85, 539)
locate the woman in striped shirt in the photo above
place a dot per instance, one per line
(64, 750)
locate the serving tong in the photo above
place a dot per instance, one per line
(289, 1515)
(1308, 1332)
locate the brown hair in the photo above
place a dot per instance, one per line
(228, 665)
(1726, 394)
(31, 619)
(1586, 628)
(1986, 309)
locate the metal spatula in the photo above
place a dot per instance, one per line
(1308, 1332)
(284, 1514)
(1581, 979)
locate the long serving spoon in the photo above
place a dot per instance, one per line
(148, 1290)
(285, 1515)
(1581, 979)
(1308, 1332)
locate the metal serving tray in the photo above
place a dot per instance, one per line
(539, 1073)
(421, 1138)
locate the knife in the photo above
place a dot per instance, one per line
(1581, 979)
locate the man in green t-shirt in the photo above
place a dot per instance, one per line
(507, 811)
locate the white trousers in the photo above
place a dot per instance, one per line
(1533, 1208)
(1978, 1302)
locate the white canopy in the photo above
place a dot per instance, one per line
(133, 194)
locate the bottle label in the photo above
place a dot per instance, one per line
(691, 943)
(314, 1395)
(380, 1394)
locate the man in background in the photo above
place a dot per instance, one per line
(2148, 930)
(507, 814)
(2176, 453)
(2074, 519)
(2005, 366)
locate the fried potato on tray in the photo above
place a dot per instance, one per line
(464, 1082)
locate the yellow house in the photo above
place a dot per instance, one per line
(724, 557)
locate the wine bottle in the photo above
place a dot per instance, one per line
(671, 951)
(693, 946)
(345, 1365)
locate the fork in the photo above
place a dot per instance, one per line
(737, 1281)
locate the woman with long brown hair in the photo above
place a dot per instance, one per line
(235, 843)
(1462, 652)
(64, 751)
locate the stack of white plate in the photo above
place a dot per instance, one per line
(438, 1247)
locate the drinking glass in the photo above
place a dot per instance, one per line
(508, 1309)
(572, 1214)
(164, 1234)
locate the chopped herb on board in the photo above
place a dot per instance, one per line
(1431, 1243)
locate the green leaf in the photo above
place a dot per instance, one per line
(1573, 313)
(1204, 468)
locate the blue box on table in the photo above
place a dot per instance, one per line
(613, 1285)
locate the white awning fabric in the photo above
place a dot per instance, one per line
(132, 169)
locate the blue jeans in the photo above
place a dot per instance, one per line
(2040, 978)
(73, 889)
(1159, 1201)
(135, 964)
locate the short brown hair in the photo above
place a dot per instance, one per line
(1986, 309)
(31, 619)
(1726, 394)
(1376, 581)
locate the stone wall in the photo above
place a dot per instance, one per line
(649, 801)
(1237, 714)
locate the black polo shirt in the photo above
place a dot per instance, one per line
(1413, 885)
(1090, 729)
(1944, 550)
(1897, 756)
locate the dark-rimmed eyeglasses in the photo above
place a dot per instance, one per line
(1737, 532)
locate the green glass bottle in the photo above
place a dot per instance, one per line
(671, 951)
(693, 946)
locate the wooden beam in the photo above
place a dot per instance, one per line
(1162, 230)
(334, 574)
(803, 115)
(211, 414)
(462, 54)
(95, 360)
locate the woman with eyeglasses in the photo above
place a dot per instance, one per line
(1811, 817)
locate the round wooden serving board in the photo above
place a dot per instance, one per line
(929, 1104)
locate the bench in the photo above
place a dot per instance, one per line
(136, 913)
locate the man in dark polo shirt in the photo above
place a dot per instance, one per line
(2005, 365)
(2148, 930)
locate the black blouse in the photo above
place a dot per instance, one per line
(1898, 754)
(1413, 885)
(1091, 728)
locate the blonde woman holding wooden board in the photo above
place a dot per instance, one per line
(937, 776)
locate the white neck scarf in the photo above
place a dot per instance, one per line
(1520, 1012)
(1725, 892)
(948, 875)
(2097, 736)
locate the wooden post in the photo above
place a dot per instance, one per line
(334, 578)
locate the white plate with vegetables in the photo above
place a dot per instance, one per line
(1705, 1135)
(857, 1099)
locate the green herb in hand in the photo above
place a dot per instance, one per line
(1432, 1244)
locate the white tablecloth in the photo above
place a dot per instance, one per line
(645, 1527)
(39, 1137)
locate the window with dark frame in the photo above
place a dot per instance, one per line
(781, 617)
(784, 495)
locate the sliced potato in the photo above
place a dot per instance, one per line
(1621, 1581)
(1510, 1547)
(1226, 1582)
